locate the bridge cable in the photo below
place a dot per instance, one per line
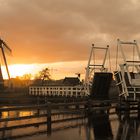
(109, 60)
(117, 56)
(133, 57)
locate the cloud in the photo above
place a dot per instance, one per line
(41, 31)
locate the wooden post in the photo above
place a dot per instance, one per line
(38, 98)
(138, 109)
(38, 112)
(127, 110)
(77, 107)
(49, 127)
(45, 99)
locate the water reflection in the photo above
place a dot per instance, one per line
(22, 128)
(4, 133)
(129, 128)
(100, 125)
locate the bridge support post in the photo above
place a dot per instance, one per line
(49, 124)
(138, 109)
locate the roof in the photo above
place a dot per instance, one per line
(71, 81)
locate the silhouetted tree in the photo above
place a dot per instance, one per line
(43, 75)
(27, 76)
(26, 79)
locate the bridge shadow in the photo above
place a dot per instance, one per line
(99, 125)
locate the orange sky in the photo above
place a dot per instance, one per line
(57, 70)
(54, 31)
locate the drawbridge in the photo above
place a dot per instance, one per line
(98, 77)
(96, 74)
(128, 73)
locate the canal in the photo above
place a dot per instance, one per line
(99, 126)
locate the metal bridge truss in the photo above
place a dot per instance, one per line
(93, 66)
(74, 91)
(128, 75)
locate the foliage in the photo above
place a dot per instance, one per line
(43, 75)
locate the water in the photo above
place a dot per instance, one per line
(95, 127)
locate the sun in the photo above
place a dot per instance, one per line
(58, 70)
(18, 70)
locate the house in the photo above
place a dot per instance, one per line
(71, 81)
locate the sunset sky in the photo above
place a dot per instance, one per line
(59, 33)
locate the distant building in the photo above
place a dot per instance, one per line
(17, 83)
(68, 87)
(71, 81)
(67, 81)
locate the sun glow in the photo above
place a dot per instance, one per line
(19, 70)
(57, 70)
